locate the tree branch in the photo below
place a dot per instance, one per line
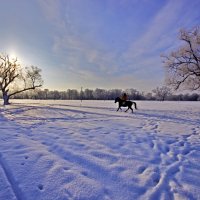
(25, 89)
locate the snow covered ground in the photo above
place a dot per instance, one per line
(68, 150)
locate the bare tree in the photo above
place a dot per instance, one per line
(161, 93)
(183, 65)
(14, 79)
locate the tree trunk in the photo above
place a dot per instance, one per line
(6, 98)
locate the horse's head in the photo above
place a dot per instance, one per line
(117, 99)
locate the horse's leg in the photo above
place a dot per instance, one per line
(130, 108)
(118, 108)
(127, 109)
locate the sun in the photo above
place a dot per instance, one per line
(13, 56)
(16, 55)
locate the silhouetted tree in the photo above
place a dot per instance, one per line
(14, 79)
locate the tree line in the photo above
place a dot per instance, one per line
(158, 94)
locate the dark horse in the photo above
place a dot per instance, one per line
(123, 103)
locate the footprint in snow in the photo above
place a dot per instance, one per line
(66, 168)
(181, 143)
(170, 141)
(84, 173)
(186, 151)
(155, 178)
(40, 187)
(195, 131)
(152, 145)
(141, 169)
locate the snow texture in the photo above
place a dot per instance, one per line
(72, 150)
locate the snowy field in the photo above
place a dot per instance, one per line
(68, 150)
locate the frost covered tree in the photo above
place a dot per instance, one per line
(15, 79)
(161, 93)
(183, 65)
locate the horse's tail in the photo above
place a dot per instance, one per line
(135, 105)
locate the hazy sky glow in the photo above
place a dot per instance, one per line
(95, 43)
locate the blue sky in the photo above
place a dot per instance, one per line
(95, 43)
